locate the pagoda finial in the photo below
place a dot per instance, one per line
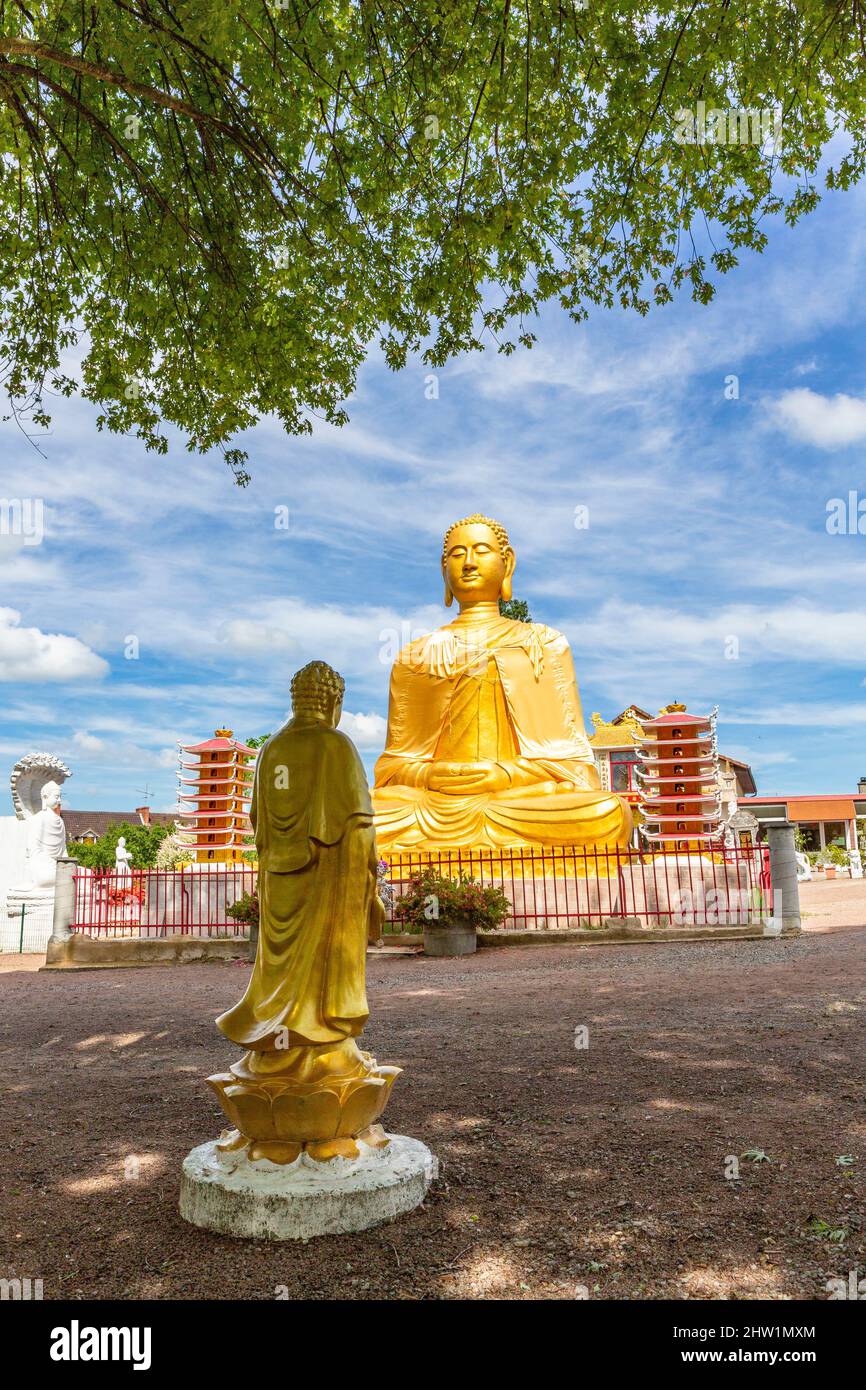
(228, 733)
(673, 708)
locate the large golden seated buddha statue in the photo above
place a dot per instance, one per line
(486, 743)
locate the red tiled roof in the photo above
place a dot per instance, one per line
(218, 745)
(682, 718)
(78, 823)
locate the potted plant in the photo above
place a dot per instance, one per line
(246, 909)
(825, 862)
(450, 911)
(838, 858)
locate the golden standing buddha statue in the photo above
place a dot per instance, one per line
(303, 1082)
(486, 743)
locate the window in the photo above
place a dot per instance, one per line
(811, 834)
(834, 833)
(622, 765)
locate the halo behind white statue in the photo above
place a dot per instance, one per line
(29, 776)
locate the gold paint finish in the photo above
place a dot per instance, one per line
(303, 1082)
(486, 742)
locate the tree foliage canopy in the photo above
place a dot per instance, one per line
(225, 204)
(142, 842)
(515, 608)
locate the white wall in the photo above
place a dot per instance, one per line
(13, 862)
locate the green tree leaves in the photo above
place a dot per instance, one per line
(220, 206)
(142, 842)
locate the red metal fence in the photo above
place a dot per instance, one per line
(546, 888)
(162, 902)
(570, 887)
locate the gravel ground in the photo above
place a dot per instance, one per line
(562, 1169)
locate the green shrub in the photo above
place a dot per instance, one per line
(433, 900)
(246, 909)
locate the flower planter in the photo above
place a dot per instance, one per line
(455, 938)
(830, 871)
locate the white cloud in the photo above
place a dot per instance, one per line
(828, 422)
(805, 714)
(366, 731)
(794, 631)
(354, 639)
(758, 758)
(104, 752)
(88, 743)
(28, 654)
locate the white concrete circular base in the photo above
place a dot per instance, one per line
(226, 1192)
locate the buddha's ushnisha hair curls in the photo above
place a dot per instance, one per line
(314, 687)
(477, 519)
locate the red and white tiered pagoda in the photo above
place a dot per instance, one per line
(678, 777)
(214, 791)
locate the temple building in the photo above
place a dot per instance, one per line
(835, 818)
(678, 777)
(86, 827)
(214, 790)
(616, 746)
(823, 820)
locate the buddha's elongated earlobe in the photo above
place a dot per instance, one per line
(449, 597)
(505, 591)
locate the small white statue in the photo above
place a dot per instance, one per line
(804, 868)
(122, 859)
(46, 839)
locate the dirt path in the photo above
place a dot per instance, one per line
(560, 1168)
(829, 904)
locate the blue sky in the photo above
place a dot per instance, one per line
(707, 523)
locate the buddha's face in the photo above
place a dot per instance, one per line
(474, 566)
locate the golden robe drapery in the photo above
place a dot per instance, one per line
(497, 691)
(317, 883)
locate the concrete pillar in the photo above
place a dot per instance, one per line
(783, 875)
(64, 899)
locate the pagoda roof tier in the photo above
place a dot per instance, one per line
(184, 796)
(227, 842)
(681, 720)
(656, 743)
(218, 745)
(682, 797)
(676, 780)
(665, 762)
(696, 794)
(186, 805)
(224, 783)
(203, 830)
(197, 829)
(655, 776)
(706, 817)
(208, 771)
(661, 837)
